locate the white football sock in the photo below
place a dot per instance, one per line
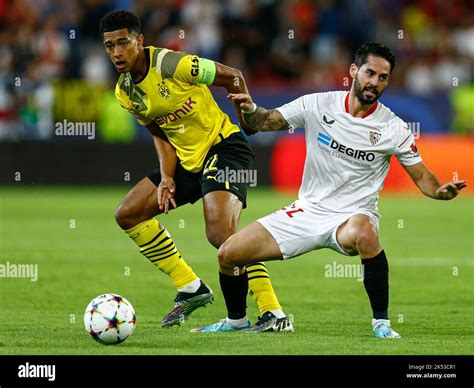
(191, 287)
(237, 322)
(278, 313)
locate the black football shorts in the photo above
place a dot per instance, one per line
(226, 168)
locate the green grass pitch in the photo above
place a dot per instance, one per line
(72, 236)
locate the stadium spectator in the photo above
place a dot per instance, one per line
(278, 44)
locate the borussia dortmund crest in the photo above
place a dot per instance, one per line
(374, 137)
(165, 93)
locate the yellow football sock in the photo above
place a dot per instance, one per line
(156, 244)
(261, 289)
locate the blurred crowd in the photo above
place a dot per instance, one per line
(281, 45)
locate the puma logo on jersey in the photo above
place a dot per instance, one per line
(177, 114)
(328, 122)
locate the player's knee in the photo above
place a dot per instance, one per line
(226, 256)
(121, 216)
(217, 235)
(366, 239)
(125, 216)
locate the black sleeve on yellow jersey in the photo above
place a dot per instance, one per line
(188, 68)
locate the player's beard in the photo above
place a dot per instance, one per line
(358, 91)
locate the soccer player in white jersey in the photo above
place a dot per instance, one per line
(350, 138)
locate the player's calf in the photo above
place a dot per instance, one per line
(245, 249)
(360, 235)
(375, 274)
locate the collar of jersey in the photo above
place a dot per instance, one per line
(368, 113)
(147, 57)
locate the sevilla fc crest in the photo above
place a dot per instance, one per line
(374, 137)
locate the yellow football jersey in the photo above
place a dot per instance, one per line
(175, 95)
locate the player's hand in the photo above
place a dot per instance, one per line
(165, 192)
(244, 102)
(450, 190)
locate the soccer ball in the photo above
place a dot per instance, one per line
(109, 319)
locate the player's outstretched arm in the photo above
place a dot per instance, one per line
(430, 185)
(233, 81)
(258, 118)
(168, 159)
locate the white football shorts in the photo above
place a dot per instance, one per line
(298, 229)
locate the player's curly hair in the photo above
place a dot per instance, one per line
(376, 49)
(116, 20)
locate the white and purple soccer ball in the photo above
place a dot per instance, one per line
(109, 319)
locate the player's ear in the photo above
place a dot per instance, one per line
(353, 70)
(140, 40)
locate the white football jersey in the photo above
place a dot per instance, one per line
(347, 158)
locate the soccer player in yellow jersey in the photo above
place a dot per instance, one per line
(167, 92)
